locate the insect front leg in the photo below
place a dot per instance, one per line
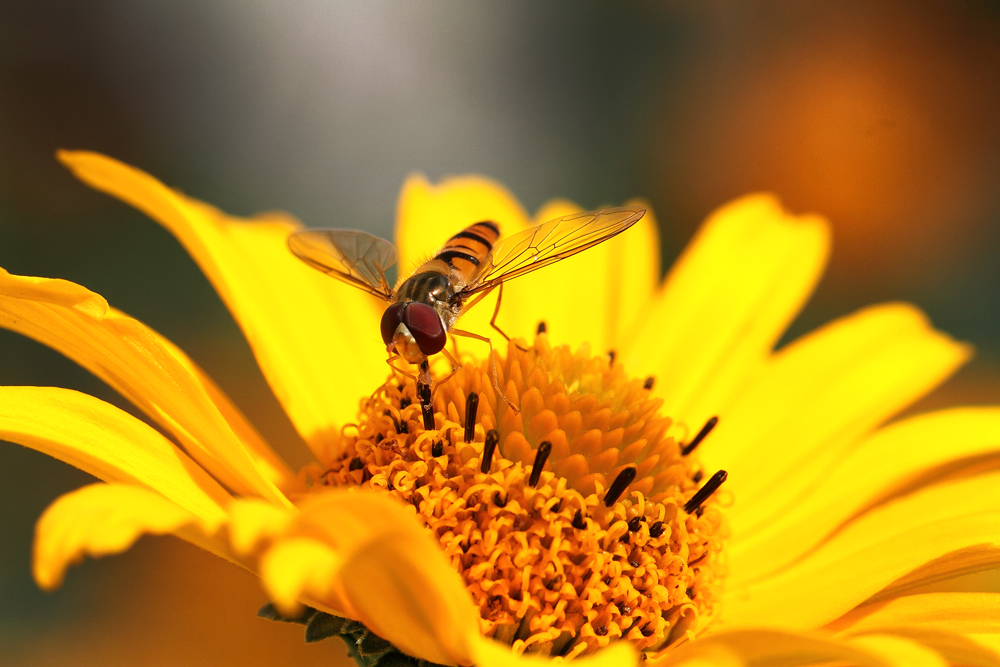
(493, 359)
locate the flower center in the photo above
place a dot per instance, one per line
(576, 521)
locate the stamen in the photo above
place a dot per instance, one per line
(498, 501)
(356, 463)
(437, 449)
(705, 430)
(492, 438)
(625, 477)
(657, 529)
(426, 407)
(697, 476)
(634, 524)
(541, 327)
(578, 521)
(704, 492)
(471, 408)
(648, 384)
(544, 449)
(611, 357)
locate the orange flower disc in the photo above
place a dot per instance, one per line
(553, 568)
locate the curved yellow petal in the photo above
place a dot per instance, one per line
(137, 363)
(300, 323)
(899, 454)
(298, 567)
(899, 651)
(108, 443)
(102, 519)
(966, 560)
(594, 297)
(870, 553)
(816, 398)
(758, 647)
(953, 648)
(366, 556)
(489, 653)
(253, 522)
(725, 303)
(962, 613)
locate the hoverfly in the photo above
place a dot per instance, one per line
(424, 307)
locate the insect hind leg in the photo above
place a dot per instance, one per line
(493, 360)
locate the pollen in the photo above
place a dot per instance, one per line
(567, 519)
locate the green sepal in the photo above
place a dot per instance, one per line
(370, 645)
(270, 612)
(323, 626)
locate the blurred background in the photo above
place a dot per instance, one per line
(881, 116)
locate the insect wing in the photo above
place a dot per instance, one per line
(550, 242)
(352, 256)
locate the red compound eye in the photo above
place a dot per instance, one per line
(426, 327)
(391, 319)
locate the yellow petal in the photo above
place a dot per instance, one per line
(299, 567)
(98, 520)
(914, 448)
(870, 553)
(489, 653)
(300, 323)
(725, 303)
(967, 560)
(816, 398)
(953, 648)
(899, 651)
(108, 443)
(387, 572)
(963, 613)
(254, 521)
(761, 647)
(593, 297)
(136, 362)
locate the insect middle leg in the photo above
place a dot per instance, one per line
(496, 312)
(493, 360)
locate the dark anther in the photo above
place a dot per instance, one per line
(657, 529)
(704, 492)
(624, 478)
(623, 609)
(492, 438)
(405, 402)
(625, 537)
(437, 449)
(498, 501)
(555, 582)
(544, 449)
(698, 512)
(697, 476)
(471, 408)
(634, 523)
(426, 407)
(611, 357)
(557, 507)
(541, 327)
(648, 384)
(578, 521)
(356, 463)
(607, 581)
(634, 560)
(705, 430)
(601, 631)
(690, 592)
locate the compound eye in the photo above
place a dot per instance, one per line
(391, 319)
(426, 327)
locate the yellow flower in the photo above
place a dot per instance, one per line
(805, 555)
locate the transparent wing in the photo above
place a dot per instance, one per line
(548, 243)
(352, 256)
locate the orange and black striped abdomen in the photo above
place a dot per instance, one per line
(465, 251)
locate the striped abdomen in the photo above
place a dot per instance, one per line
(465, 251)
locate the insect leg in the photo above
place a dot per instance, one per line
(455, 367)
(493, 321)
(493, 359)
